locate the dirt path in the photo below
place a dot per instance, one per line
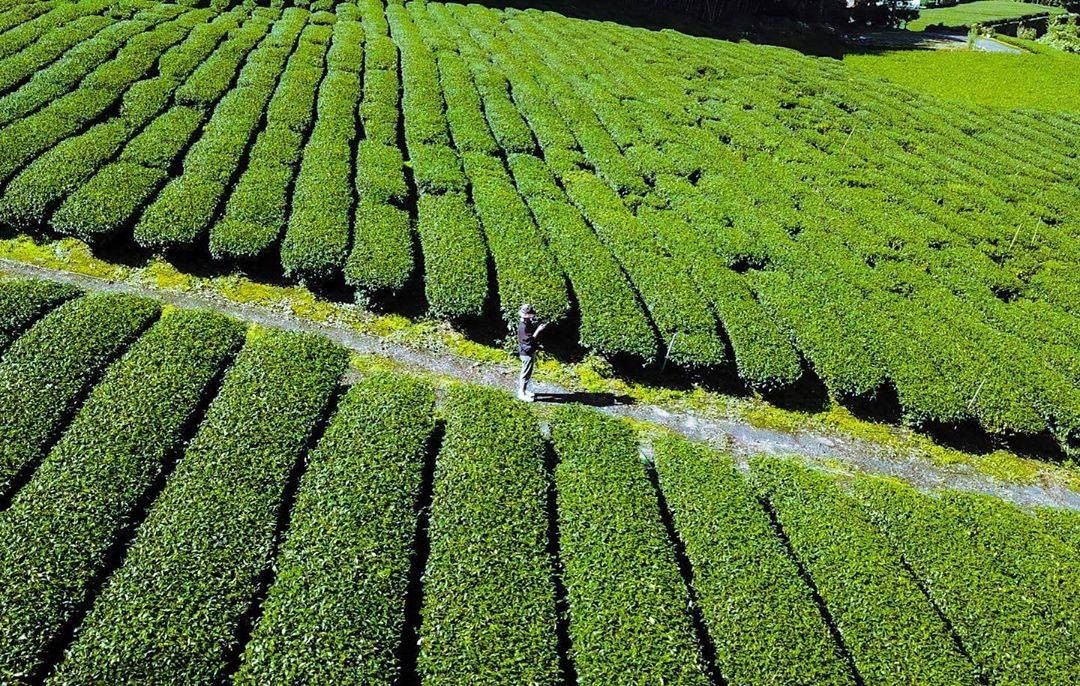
(742, 439)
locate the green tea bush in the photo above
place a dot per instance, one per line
(60, 77)
(1000, 625)
(887, 623)
(379, 108)
(455, 257)
(317, 241)
(46, 369)
(380, 175)
(760, 614)
(628, 604)
(108, 201)
(489, 611)
(436, 169)
(525, 270)
(14, 40)
(334, 613)
(463, 110)
(1020, 547)
(169, 614)
(24, 64)
(612, 322)
(24, 301)
(60, 528)
(381, 260)
(684, 320)
(1062, 524)
(255, 215)
(764, 356)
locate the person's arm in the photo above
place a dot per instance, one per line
(540, 329)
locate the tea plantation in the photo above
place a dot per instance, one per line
(184, 500)
(719, 207)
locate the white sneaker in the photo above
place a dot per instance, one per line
(525, 396)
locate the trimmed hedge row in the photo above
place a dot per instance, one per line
(612, 322)
(764, 356)
(761, 615)
(455, 258)
(887, 623)
(38, 28)
(525, 269)
(183, 210)
(381, 260)
(463, 110)
(685, 322)
(1000, 624)
(46, 369)
(335, 612)
(421, 99)
(24, 301)
(24, 64)
(627, 602)
(169, 614)
(59, 78)
(1063, 524)
(255, 214)
(23, 140)
(317, 241)
(380, 175)
(108, 201)
(1020, 547)
(60, 528)
(489, 612)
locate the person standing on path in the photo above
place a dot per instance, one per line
(529, 328)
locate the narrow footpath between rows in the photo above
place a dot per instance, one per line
(741, 438)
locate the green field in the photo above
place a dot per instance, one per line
(722, 208)
(1048, 80)
(979, 12)
(278, 527)
(191, 499)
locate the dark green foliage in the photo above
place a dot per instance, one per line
(168, 613)
(489, 610)
(335, 611)
(160, 142)
(58, 532)
(45, 370)
(760, 613)
(628, 604)
(525, 270)
(108, 201)
(684, 320)
(455, 258)
(49, 47)
(999, 623)
(22, 302)
(612, 322)
(886, 621)
(381, 260)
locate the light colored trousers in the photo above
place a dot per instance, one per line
(527, 364)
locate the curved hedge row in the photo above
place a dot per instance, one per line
(335, 612)
(182, 212)
(1001, 626)
(489, 600)
(21, 66)
(169, 614)
(627, 602)
(255, 214)
(46, 369)
(887, 623)
(761, 615)
(59, 530)
(24, 301)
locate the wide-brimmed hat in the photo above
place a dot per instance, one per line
(526, 309)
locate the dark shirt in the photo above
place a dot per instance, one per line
(527, 337)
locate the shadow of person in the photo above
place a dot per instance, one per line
(591, 399)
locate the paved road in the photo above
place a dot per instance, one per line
(922, 40)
